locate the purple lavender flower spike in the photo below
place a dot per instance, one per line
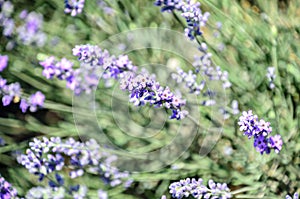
(276, 143)
(47, 156)
(30, 32)
(145, 90)
(3, 62)
(295, 196)
(6, 190)
(259, 130)
(191, 11)
(74, 6)
(196, 189)
(271, 77)
(261, 144)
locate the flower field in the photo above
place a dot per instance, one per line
(149, 99)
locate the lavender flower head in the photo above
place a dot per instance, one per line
(144, 89)
(271, 76)
(295, 196)
(47, 156)
(45, 192)
(196, 189)
(74, 6)
(190, 11)
(6, 190)
(30, 32)
(3, 62)
(259, 130)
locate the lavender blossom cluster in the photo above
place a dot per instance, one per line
(47, 157)
(191, 11)
(271, 77)
(29, 32)
(259, 130)
(144, 89)
(6, 190)
(13, 93)
(295, 196)
(196, 189)
(74, 7)
(202, 67)
(8, 24)
(96, 63)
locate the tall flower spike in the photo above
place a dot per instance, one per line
(144, 89)
(295, 196)
(271, 77)
(74, 6)
(6, 190)
(191, 11)
(260, 131)
(3, 62)
(47, 156)
(196, 189)
(12, 93)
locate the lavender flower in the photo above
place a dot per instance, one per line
(94, 61)
(105, 8)
(145, 90)
(74, 6)
(6, 21)
(12, 93)
(3, 62)
(102, 194)
(48, 156)
(259, 130)
(271, 77)
(295, 196)
(2, 141)
(196, 189)
(30, 32)
(190, 11)
(6, 190)
(45, 192)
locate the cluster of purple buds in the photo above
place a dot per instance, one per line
(6, 190)
(3, 62)
(190, 81)
(48, 156)
(30, 33)
(8, 24)
(111, 175)
(259, 130)
(271, 77)
(144, 89)
(105, 8)
(95, 58)
(95, 63)
(204, 66)
(190, 11)
(74, 7)
(12, 93)
(196, 189)
(295, 196)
